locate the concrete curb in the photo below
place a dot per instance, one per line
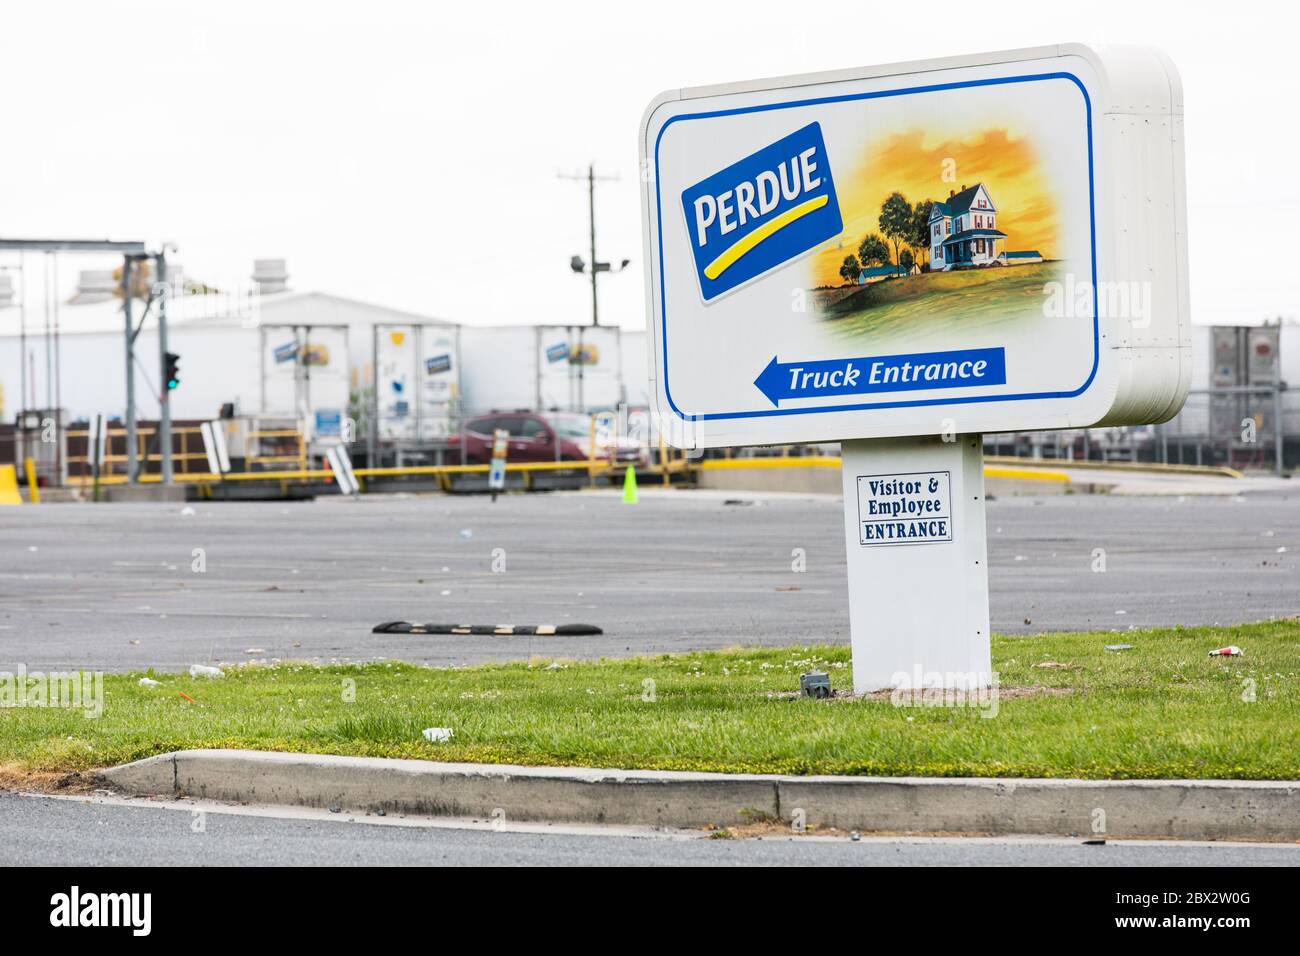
(1185, 809)
(570, 795)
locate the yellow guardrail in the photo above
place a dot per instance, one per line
(1025, 474)
(734, 464)
(183, 458)
(995, 467)
(144, 435)
(321, 474)
(1148, 466)
(826, 461)
(594, 466)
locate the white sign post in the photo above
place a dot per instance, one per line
(918, 563)
(902, 259)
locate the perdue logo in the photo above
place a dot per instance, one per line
(764, 210)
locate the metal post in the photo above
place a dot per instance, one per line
(593, 267)
(23, 401)
(98, 439)
(60, 439)
(164, 397)
(591, 213)
(49, 337)
(372, 432)
(663, 459)
(582, 368)
(132, 464)
(417, 339)
(1278, 443)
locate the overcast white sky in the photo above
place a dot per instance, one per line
(407, 153)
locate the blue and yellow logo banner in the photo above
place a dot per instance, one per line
(762, 211)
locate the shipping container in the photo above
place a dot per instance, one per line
(565, 367)
(417, 382)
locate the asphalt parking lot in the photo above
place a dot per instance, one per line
(131, 586)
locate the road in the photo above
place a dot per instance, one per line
(132, 586)
(45, 831)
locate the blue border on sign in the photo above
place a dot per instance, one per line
(766, 413)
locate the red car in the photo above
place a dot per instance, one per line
(534, 436)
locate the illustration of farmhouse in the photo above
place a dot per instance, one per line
(964, 233)
(907, 267)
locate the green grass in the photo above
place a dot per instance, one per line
(970, 298)
(1162, 709)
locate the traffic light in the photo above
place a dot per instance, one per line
(172, 371)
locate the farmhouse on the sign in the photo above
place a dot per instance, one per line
(964, 233)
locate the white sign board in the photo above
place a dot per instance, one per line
(915, 508)
(985, 243)
(902, 258)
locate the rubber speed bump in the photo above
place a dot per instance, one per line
(504, 630)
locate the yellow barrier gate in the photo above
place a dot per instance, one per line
(9, 486)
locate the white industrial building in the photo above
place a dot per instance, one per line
(317, 359)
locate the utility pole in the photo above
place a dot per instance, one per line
(591, 219)
(132, 463)
(164, 393)
(592, 267)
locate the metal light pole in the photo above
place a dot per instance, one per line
(132, 464)
(164, 395)
(591, 219)
(592, 267)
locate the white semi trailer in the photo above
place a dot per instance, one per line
(565, 367)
